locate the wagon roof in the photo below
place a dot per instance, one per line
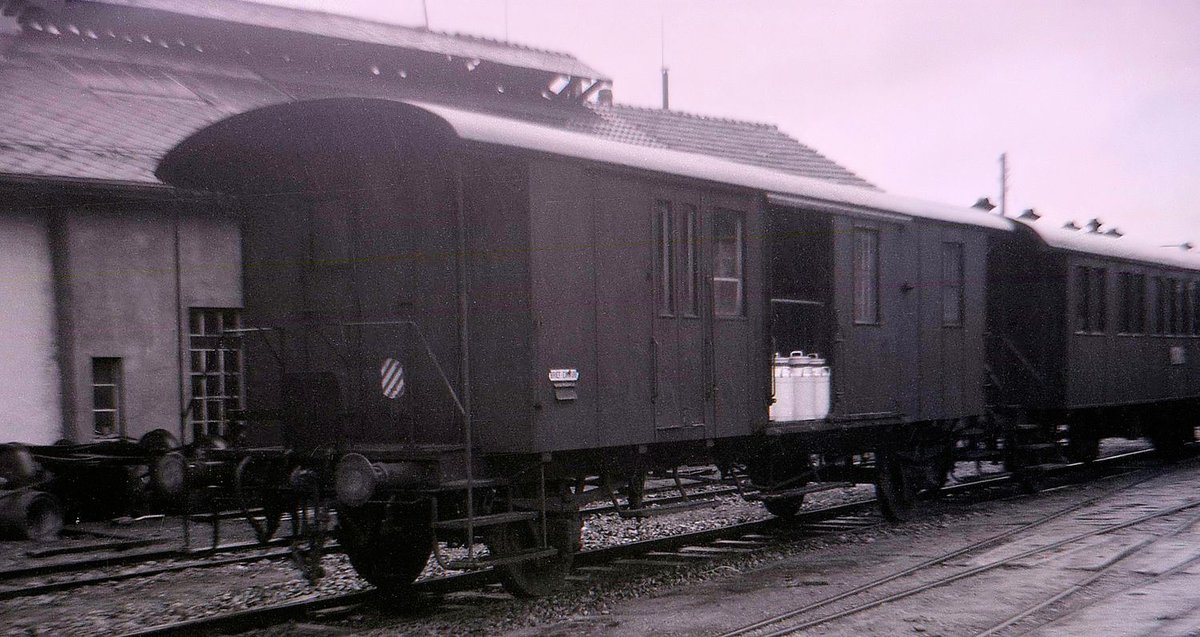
(1125, 248)
(782, 188)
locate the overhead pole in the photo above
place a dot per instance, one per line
(1003, 184)
(662, 59)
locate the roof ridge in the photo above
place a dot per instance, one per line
(689, 114)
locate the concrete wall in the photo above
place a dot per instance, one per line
(119, 300)
(29, 374)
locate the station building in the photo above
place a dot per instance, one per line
(115, 288)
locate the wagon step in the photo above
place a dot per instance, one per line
(1038, 446)
(967, 455)
(798, 491)
(1044, 468)
(477, 563)
(646, 512)
(487, 520)
(478, 483)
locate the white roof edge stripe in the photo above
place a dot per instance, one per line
(491, 129)
(1129, 249)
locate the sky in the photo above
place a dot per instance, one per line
(1095, 102)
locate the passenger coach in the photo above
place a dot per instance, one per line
(567, 307)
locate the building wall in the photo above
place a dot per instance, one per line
(29, 374)
(119, 290)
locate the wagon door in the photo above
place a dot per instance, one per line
(679, 346)
(870, 271)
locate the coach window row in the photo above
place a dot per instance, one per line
(1177, 308)
(1176, 304)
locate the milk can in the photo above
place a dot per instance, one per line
(821, 378)
(785, 390)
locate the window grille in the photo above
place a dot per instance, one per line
(216, 368)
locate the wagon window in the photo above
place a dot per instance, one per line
(1133, 303)
(690, 269)
(1160, 305)
(728, 277)
(107, 384)
(1091, 306)
(1083, 311)
(952, 284)
(866, 276)
(665, 261)
(1189, 303)
(1176, 306)
(1195, 308)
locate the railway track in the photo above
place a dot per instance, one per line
(664, 552)
(14, 582)
(798, 620)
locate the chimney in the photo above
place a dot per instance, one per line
(984, 204)
(604, 97)
(666, 90)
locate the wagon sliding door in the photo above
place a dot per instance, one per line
(680, 344)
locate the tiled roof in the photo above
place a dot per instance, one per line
(368, 31)
(741, 141)
(69, 117)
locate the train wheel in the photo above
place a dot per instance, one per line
(1082, 445)
(894, 487)
(387, 544)
(1170, 438)
(535, 578)
(784, 507)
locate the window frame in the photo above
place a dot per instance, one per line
(690, 255)
(954, 283)
(213, 359)
(1131, 294)
(1091, 300)
(116, 373)
(739, 277)
(664, 257)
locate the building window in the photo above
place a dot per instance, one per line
(728, 276)
(1133, 303)
(952, 284)
(665, 262)
(866, 276)
(107, 416)
(216, 370)
(1091, 307)
(691, 271)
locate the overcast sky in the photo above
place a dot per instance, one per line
(1097, 103)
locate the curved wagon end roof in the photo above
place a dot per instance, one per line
(1124, 248)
